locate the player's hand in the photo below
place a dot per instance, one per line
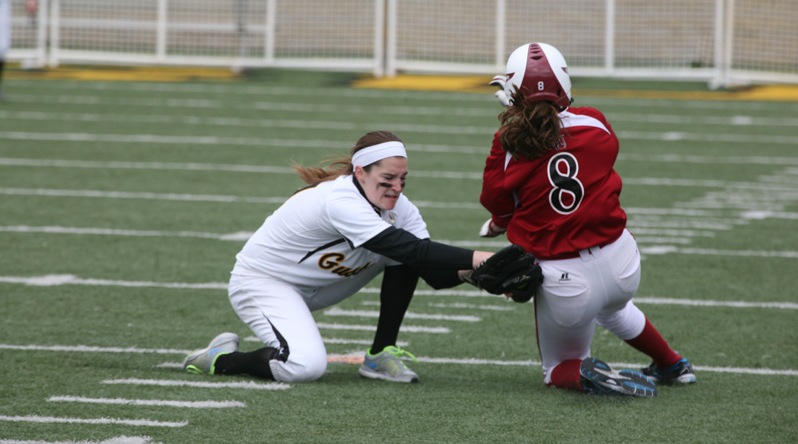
(500, 81)
(489, 229)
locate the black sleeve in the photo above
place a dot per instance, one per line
(421, 254)
(439, 279)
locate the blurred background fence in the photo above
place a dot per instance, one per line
(725, 42)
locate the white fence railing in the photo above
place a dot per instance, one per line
(724, 42)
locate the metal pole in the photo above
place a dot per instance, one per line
(55, 36)
(43, 23)
(609, 38)
(728, 56)
(160, 45)
(379, 38)
(501, 34)
(717, 80)
(390, 56)
(241, 27)
(268, 44)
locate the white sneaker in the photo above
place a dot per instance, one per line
(202, 361)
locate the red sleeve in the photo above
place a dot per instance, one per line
(496, 197)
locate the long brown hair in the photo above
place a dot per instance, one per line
(340, 166)
(529, 129)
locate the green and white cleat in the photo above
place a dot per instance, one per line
(203, 361)
(388, 366)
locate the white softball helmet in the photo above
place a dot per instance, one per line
(540, 72)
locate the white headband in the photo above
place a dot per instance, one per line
(375, 153)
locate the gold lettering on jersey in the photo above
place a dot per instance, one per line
(332, 262)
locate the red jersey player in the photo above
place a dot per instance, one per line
(549, 183)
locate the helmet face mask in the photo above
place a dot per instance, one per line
(539, 71)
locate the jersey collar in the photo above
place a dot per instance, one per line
(363, 193)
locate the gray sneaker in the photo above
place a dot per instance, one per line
(387, 365)
(202, 361)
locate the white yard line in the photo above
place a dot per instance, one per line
(669, 249)
(333, 341)
(54, 229)
(478, 307)
(165, 119)
(94, 194)
(742, 204)
(68, 279)
(114, 440)
(335, 311)
(478, 99)
(644, 235)
(169, 166)
(640, 299)
(63, 420)
(275, 169)
(95, 349)
(701, 303)
(57, 280)
(150, 402)
(248, 385)
(197, 120)
(426, 359)
(711, 160)
(199, 142)
(44, 192)
(220, 141)
(370, 328)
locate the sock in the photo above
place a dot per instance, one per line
(254, 363)
(651, 342)
(566, 375)
(398, 285)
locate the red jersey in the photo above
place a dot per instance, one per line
(565, 201)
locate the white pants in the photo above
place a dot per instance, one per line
(596, 287)
(267, 304)
(5, 28)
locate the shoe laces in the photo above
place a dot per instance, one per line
(399, 352)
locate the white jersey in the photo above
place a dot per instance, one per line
(314, 238)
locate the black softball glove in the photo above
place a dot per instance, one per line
(510, 271)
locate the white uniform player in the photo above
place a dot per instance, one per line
(321, 246)
(306, 257)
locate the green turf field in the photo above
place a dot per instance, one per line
(123, 204)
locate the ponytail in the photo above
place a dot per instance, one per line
(529, 129)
